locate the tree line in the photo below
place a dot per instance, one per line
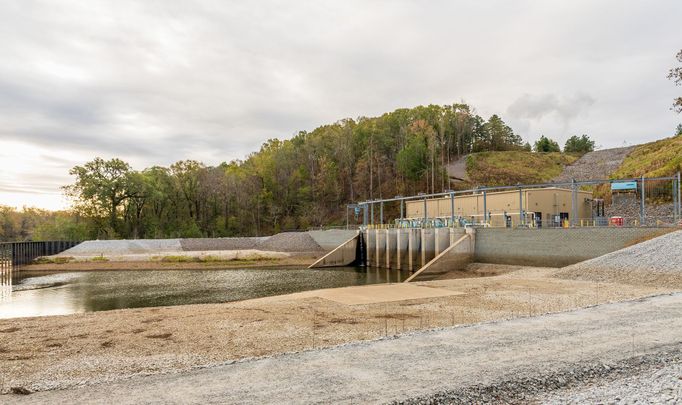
(297, 183)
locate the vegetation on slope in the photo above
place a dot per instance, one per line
(513, 167)
(290, 184)
(654, 159)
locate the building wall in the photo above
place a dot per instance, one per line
(548, 201)
(554, 247)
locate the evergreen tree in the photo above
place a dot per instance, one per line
(545, 144)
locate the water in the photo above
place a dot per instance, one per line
(77, 292)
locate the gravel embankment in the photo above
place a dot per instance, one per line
(655, 262)
(595, 165)
(123, 247)
(291, 242)
(283, 242)
(647, 383)
(652, 378)
(195, 244)
(627, 206)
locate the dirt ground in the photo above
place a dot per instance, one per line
(65, 351)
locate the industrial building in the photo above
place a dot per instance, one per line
(537, 207)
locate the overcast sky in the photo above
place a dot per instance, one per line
(153, 82)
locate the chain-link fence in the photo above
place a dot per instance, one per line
(612, 202)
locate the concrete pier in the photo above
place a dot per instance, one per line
(402, 246)
(414, 249)
(428, 243)
(391, 248)
(371, 240)
(380, 237)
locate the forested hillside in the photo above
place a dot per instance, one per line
(288, 184)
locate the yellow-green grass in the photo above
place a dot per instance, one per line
(209, 259)
(52, 260)
(512, 167)
(654, 159)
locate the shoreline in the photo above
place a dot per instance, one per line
(293, 261)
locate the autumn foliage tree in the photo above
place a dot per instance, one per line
(287, 184)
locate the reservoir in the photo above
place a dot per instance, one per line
(62, 293)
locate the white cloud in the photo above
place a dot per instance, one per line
(155, 82)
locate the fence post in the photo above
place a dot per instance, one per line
(574, 203)
(365, 215)
(381, 213)
(372, 209)
(679, 196)
(641, 204)
(402, 208)
(485, 207)
(521, 216)
(452, 209)
(425, 213)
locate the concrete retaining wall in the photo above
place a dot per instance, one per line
(455, 257)
(343, 255)
(331, 238)
(554, 247)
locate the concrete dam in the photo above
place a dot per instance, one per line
(428, 253)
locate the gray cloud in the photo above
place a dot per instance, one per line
(156, 82)
(536, 107)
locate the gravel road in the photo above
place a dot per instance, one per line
(660, 382)
(448, 365)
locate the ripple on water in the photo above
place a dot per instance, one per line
(64, 293)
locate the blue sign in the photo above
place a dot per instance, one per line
(624, 185)
(357, 210)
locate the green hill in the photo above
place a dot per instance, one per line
(654, 159)
(512, 167)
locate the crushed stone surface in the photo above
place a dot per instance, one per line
(517, 359)
(282, 242)
(661, 383)
(291, 242)
(595, 165)
(222, 243)
(125, 246)
(657, 261)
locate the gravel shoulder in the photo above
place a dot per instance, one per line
(453, 364)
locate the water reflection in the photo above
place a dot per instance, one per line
(65, 293)
(5, 280)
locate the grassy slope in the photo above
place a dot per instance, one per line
(659, 158)
(505, 168)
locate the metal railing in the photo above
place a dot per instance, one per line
(652, 201)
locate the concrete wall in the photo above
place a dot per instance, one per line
(428, 243)
(343, 255)
(455, 257)
(330, 239)
(402, 246)
(554, 247)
